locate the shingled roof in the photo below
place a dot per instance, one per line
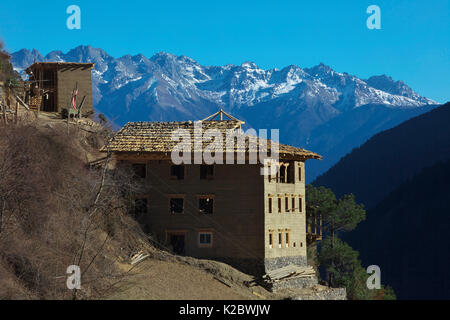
(156, 137)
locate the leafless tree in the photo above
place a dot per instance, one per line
(56, 210)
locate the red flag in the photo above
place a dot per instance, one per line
(74, 99)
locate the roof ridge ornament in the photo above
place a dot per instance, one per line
(222, 113)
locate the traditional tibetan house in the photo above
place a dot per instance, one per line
(227, 212)
(52, 84)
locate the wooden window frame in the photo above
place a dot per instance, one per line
(280, 239)
(205, 245)
(286, 204)
(293, 204)
(270, 239)
(270, 204)
(283, 177)
(287, 238)
(269, 172)
(176, 196)
(207, 196)
(290, 172)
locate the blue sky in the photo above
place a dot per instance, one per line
(413, 44)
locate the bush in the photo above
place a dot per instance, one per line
(56, 211)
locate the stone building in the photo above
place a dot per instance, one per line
(51, 85)
(227, 212)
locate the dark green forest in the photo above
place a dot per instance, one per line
(406, 234)
(391, 157)
(402, 176)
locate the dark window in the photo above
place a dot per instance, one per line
(282, 174)
(280, 239)
(287, 239)
(270, 205)
(270, 239)
(299, 173)
(206, 171)
(286, 204)
(205, 238)
(140, 206)
(140, 170)
(206, 205)
(290, 172)
(279, 204)
(176, 205)
(177, 243)
(293, 204)
(177, 172)
(299, 204)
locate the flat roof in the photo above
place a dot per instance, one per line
(61, 64)
(5, 54)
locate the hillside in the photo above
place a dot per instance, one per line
(56, 212)
(402, 176)
(391, 157)
(342, 134)
(406, 234)
(301, 102)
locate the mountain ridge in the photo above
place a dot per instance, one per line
(167, 87)
(290, 75)
(391, 157)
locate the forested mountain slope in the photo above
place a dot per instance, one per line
(391, 157)
(406, 234)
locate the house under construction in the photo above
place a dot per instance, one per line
(226, 212)
(52, 85)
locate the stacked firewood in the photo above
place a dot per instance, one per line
(289, 272)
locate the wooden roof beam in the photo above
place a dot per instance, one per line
(221, 113)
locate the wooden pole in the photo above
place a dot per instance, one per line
(80, 107)
(17, 112)
(4, 115)
(39, 87)
(68, 111)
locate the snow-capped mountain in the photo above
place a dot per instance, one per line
(295, 100)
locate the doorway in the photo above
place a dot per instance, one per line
(49, 102)
(177, 242)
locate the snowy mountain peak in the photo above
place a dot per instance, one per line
(167, 80)
(249, 65)
(305, 104)
(386, 83)
(320, 70)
